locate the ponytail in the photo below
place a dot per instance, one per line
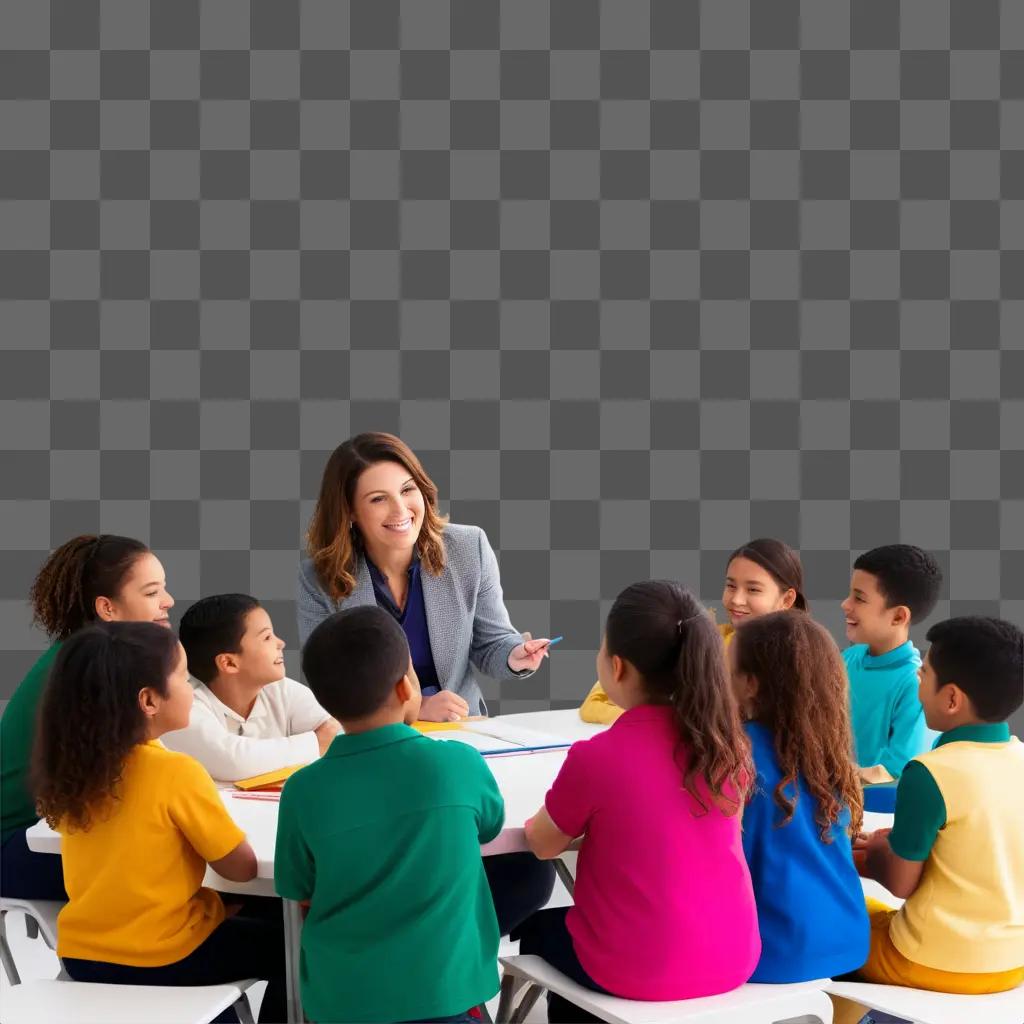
(667, 635)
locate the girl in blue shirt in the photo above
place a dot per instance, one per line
(789, 679)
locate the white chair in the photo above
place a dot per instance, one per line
(58, 1002)
(923, 1007)
(804, 1003)
(40, 920)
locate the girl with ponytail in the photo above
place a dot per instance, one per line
(664, 907)
(87, 579)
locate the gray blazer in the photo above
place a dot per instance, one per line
(466, 615)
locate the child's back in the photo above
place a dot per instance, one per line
(384, 833)
(967, 913)
(664, 904)
(789, 678)
(810, 904)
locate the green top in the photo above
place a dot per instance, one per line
(920, 808)
(17, 731)
(383, 836)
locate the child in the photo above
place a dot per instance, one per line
(956, 849)
(139, 823)
(248, 717)
(764, 575)
(664, 907)
(87, 579)
(891, 587)
(789, 678)
(394, 878)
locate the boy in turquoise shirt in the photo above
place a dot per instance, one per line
(891, 587)
(382, 836)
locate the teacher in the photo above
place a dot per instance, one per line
(376, 537)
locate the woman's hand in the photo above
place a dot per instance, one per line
(444, 706)
(527, 656)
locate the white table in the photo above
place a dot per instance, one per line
(522, 779)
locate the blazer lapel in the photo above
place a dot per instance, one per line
(363, 594)
(439, 603)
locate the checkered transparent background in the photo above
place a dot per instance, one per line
(639, 280)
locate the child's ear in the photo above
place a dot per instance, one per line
(148, 701)
(404, 690)
(226, 664)
(954, 700)
(901, 615)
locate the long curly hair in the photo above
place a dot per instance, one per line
(332, 542)
(90, 718)
(668, 636)
(63, 594)
(803, 698)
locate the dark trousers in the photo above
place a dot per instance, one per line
(520, 886)
(239, 948)
(546, 935)
(26, 875)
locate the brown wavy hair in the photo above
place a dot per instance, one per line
(780, 561)
(90, 719)
(803, 698)
(333, 543)
(64, 592)
(668, 636)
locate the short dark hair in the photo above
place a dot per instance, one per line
(906, 575)
(985, 658)
(214, 625)
(353, 659)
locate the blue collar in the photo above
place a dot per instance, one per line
(897, 656)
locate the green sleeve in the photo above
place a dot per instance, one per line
(920, 813)
(294, 867)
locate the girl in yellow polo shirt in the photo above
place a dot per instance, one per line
(140, 823)
(765, 575)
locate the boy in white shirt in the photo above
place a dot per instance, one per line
(247, 717)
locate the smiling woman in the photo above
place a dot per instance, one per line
(376, 537)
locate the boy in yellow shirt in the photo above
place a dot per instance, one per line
(956, 849)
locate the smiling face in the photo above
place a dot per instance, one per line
(868, 620)
(751, 590)
(260, 655)
(143, 596)
(388, 508)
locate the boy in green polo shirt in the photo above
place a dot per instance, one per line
(956, 849)
(382, 835)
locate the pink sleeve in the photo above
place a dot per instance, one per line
(570, 800)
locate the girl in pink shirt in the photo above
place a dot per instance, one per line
(664, 906)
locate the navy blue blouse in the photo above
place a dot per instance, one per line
(413, 620)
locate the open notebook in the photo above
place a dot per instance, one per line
(492, 737)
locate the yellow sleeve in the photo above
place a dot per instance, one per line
(199, 812)
(598, 708)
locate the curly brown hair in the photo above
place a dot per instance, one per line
(668, 636)
(332, 543)
(64, 592)
(803, 698)
(90, 718)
